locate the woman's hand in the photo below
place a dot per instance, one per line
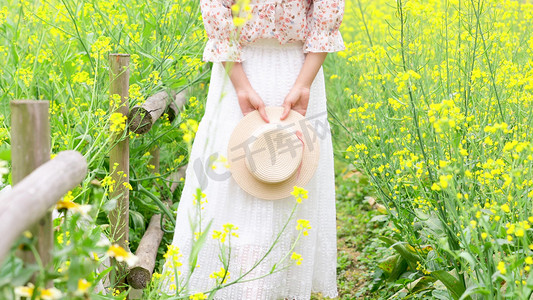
(248, 98)
(298, 97)
(249, 101)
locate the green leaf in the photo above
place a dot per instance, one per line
(477, 290)
(379, 218)
(399, 268)
(103, 274)
(393, 267)
(469, 258)
(389, 263)
(440, 294)
(84, 137)
(405, 252)
(421, 283)
(197, 246)
(110, 204)
(5, 155)
(454, 286)
(159, 203)
(24, 275)
(138, 220)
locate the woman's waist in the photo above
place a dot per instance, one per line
(272, 43)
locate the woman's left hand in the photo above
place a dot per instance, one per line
(297, 99)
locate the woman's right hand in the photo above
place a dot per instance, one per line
(248, 98)
(249, 101)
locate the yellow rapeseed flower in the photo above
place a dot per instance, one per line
(220, 274)
(25, 291)
(228, 228)
(120, 254)
(66, 203)
(83, 286)
(297, 257)
(303, 225)
(505, 208)
(118, 122)
(299, 193)
(198, 296)
(501, 268)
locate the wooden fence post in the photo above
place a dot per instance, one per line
(119, 75)
(30, 148)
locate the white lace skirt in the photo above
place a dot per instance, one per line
(272, 70)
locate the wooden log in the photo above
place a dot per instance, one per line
(143, 117)
(140, 275)
(119, 75)
(31, 198)
(30, 148)
(175, 106)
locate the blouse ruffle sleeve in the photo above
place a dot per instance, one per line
(223, 43)
(324, 19)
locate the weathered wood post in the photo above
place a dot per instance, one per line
(119, 75)
(30, 148)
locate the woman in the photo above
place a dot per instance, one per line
(274, 59)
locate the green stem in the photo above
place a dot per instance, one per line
(158, 202)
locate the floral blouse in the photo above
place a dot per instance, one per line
(314, 22)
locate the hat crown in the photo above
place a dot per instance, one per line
(242, 144)
(275, 153)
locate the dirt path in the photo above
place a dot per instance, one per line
(355, 235)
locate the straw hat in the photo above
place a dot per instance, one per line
(268, 159)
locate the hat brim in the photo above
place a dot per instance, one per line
(236, 154)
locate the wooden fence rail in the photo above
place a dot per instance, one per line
(31, 198)
(142, 117)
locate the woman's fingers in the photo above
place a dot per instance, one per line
(301, 111)
(304, 101)
(286, 109)
(262, 113)
(245, 105)
(288, 104)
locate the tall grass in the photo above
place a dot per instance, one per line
(437, 99)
